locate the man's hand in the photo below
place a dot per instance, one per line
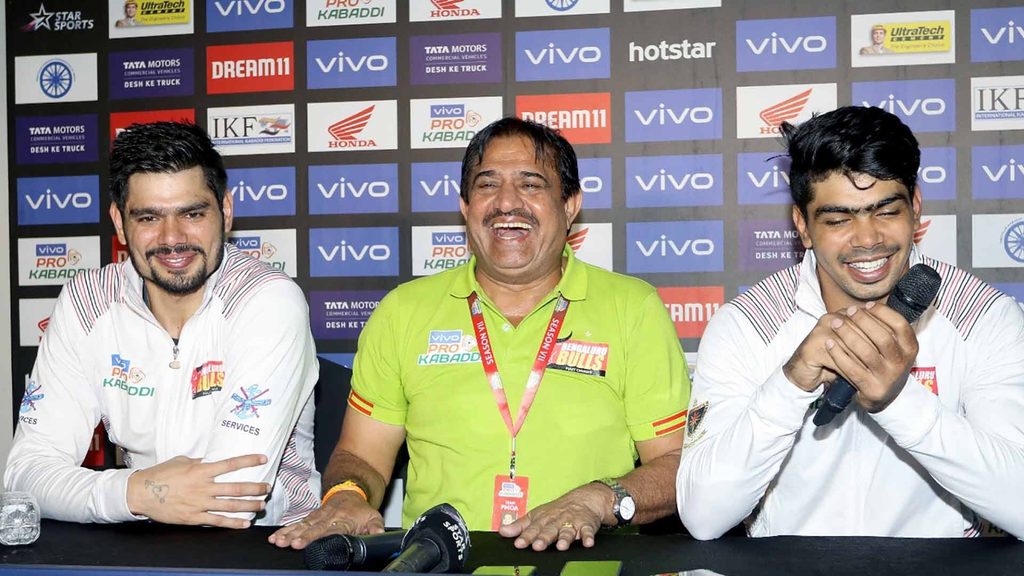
(344, 513)
(811, 365)
(185, 491)
(575, 516)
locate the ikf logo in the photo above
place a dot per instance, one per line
(596, 182)
(668, 115)
(342, 315)
(435, 186)
(997, 172)
(55, 78)
(354, 63)
(691, 307)
(353, 189)
(239, 68)
(576, 54)
(353, 251)
(275, 248)
(349, 12)
(763, 178)
(937, 174)
(58, 200)
(262, 191)
(676, 246)
(525, 8)
(121, 120)
(54, 261)
(239, 130)
(33, 318)
(232, 15)
(656, 181)
(455, 59)
(937, 237)
(997, 103)
(345, 126)
(450, 122)
(430, 10)
(924, 105)
(997, 34)
(56, 139)
(152, 73)
(592, 243)
(998, 240)
(438, 248)
(786, 44)
(760, 110)
(581, 118)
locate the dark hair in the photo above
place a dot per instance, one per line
(164, 147)
(549, 145)
(850, 140)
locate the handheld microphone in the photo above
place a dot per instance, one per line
(340, 552)
(438, 542)
(911, 296)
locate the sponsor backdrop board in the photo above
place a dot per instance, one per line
(343, 124)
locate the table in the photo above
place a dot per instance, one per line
(145, 544)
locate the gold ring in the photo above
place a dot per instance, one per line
(569, 525)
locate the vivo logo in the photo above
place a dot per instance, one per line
(663, 115)
(341, 63)
(1011, 33)
(246, 242)
(927, 106)
(591, 184)
(51, 249)
(776, 44)
(663, 181)
(555, 55)
(1012, 170)
(50, 200)
(773, 178)
(242, 192)
(343, 188)
(448, 238)
(243, 7)
(932, 174)
(447, 111)
(663, 246)
(445, 336)
(445, 186)
(344, 252)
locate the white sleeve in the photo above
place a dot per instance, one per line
(270, 369)
(977, 456)
(56, 428)
(744, 418)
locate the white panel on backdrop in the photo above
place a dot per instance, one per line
(151, 18)
(997, 102)
(437, 10)
(450, 122)
(275, 248)
(54, 261)
(998, 240)
(903, 38)
(346, 126)
(761, 109)
(561, 7)
(33, 317)
(349, 12)
(54, 78)
(647, 5)
(937, 237)
(593, 243)
(438, 248)
(241, 130)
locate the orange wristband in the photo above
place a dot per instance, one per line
(346, 486)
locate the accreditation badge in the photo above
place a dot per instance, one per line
(509, 501)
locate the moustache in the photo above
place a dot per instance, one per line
(176, 249)
(517, 213)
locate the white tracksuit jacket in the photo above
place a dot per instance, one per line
(950, 445)
(244, 382)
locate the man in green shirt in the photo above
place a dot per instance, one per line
(525, 383)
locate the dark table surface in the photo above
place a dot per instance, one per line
(143, 544)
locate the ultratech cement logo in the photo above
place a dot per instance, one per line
(57, 20)
(437, 248)
(249, 68)
(149, 18)
(127, 378)
(344, 126)
(346, 12)
(54, 261)
(425, 11)
(581, 118)
(450, 122)
(903, 38)
(997, 103)
(760, 110)
(239, 130)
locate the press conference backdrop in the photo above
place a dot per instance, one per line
(343, 124)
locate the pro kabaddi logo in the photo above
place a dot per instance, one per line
(449, 347)
(451, 123)
(127, 378)
(346, 131)
(55, 261)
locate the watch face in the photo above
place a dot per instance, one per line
(627, 508)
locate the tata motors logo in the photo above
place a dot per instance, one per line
(581, 118)
(435, 186)
(58, 200)
(240, 130)
(455, 59)
(275, 248)
(691, 307)
(786, 44)
(55, 20)
(574, 54)
(998, 240)
(56, 139)
(762, 178)
(769, 245)
(903, 38)
(526, 8)
(997, 103)
(997, 34)
(438, 248)
(54, 261)
(237, 15)
(354, 63)
(761, 110)
(55, 78)
(344, 126)
(249, 68)
(349, 12)
(667, 115)
(656, 181)
(339, 315)
(997, 172)
(262, 191)
(152, 73)
(353, 251)
(450, 122)
(924, 105)
(353, 189)
(429, 10)
(676, 246)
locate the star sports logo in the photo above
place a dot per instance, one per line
(784, 111)
(40, 20)
(345, 131)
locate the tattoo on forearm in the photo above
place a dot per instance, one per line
(159, 490)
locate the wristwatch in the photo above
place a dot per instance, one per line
(624, 507)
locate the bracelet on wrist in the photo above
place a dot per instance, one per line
(346, 486)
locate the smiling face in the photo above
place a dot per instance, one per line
(516, 219)
(862, 232)
(878, 36)
(173, 229)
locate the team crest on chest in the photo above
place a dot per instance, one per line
(578, 356)
(926, 376)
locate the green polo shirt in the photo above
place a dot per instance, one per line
(618, 376)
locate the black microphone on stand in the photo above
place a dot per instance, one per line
(340, 552)
(437, 542)
(911, 296)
